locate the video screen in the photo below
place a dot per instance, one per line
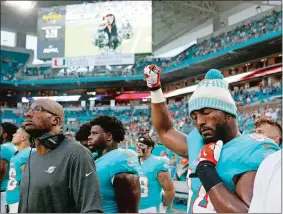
(116, 27)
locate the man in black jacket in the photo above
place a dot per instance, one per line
(60, 177)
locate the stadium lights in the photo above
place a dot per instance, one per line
(55, 98)
(60, 98)
(25, 5)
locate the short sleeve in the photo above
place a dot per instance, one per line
(6, 153)
(24, 157)
(260, 152)
(162, 166)
(128, 163)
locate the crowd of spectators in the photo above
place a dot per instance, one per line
(137, 120)
(269, 23)
(246, 96)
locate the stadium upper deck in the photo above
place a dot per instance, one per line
(236, 44)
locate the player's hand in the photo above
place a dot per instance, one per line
(152, 74)
(211, 152)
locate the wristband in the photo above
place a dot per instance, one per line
(208, 175)
(157, 96)
(163, 208)
(155, 88)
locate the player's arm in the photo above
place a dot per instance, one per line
(3, 169)
(23, 167)
(166, 182)
(162, 121)
(84, 184)
(128, 192)
(222, 198)
(226, 201)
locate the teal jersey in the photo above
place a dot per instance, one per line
(107, 166)
(7, 152)
(242, 154)
(94, 155)
(15, 176)
(150, 186)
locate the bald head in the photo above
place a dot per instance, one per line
(52, 106)
(44, 116)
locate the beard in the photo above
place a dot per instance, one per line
(220, 133)
(36, 133)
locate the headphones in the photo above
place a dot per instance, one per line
(51, 141)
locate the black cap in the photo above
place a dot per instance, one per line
(147, 141)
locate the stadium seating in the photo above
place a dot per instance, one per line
(11, 63)
(251, 32)
(242, 33)
(137, 120)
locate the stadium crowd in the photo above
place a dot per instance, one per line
(244, 32)
(46, 168)
(138, 121)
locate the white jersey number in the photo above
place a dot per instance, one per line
(203, 204)
(144, 186)
(12, 183)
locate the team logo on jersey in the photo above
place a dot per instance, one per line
(257, 137)
(50, 169)
(131, 163)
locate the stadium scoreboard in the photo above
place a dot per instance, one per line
(95, 29)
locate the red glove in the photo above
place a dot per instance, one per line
(211, 152)
(152, 74)
(208, 159)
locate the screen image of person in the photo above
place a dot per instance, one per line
(110, 28)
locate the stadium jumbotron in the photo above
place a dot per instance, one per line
(146, 94)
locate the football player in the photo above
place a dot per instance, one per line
(83, 133)
(154, 177)
(229, 186)
(7, 151)
(17, 164)
(270, 128)
(118, 169)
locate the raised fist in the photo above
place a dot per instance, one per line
(152, 74)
